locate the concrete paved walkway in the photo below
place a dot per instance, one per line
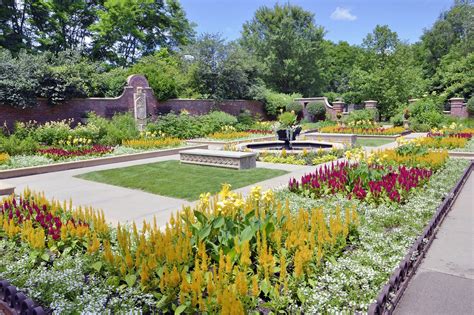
(444, 282)
(124, 204)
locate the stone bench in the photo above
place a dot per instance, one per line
(228, 159)
(6, 189)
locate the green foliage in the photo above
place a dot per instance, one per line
(246, 120)
(362, 115)
(316, 109)
(287, 119)
(274, 102)
(163, 73)
(470, 105)
(14, 145)
(127, 29)
(286, 41)
(52, 132)
(114, 131)
(185, 126)
(426, 114)
(220, 70)
(296, 107)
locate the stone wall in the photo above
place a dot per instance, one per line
(107, 107)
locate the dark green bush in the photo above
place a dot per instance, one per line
(362, 114)
(470, 105)
(316, 109)
(294, 107)
(16, 146)
(426, 114)
(245, 120)
(274, 102)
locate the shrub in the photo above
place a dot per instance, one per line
(52, 132)
(245, 120)
(425, 114)
(274, 102)
(15, 146)
(114, 131)
(316, 109)
(214, 121)
(470, 105)
(294, 107)
(362, 115)
(287, 119)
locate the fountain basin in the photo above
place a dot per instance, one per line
(295, 146)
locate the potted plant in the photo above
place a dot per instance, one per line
(288, 128)
(406, 116)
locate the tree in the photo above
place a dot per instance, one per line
(163, 72)
(14, 27)
(64, 24)
(287, 42)
(129, 29)
(382, 41)
(221, 70)
(454, 28)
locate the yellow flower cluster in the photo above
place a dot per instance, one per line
(363, 131)
(432, 159)
(4, 158)
(362, 122)
(74, 141)
(154, 134)
(229, 135)
(355, 155)
(150, 143)
(441, 143)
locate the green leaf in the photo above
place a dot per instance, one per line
(45, 257)
(204, 232)
(130, 279)
(97, 266)
(200, 217)
(180, 309)
(247, 234)
(218, 222)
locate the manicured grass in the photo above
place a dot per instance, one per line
(184, 181)
(372, 142)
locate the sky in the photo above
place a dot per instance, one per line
(349, 21)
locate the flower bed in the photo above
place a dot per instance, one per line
(303, 158)
(351, 282)
(373, 184)
(228, 254)
(56, 153)
(152, 143)
(4, 158)
(364, 131)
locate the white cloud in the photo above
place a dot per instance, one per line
(343, 14)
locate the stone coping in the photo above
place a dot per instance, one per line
(219, 153)
(34, 170)
(243, 146)
(461, 155)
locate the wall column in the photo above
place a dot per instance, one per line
(458, 109)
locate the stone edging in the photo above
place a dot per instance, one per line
(17, 172)
(232, 142)
(394, 137)
(391, 293)
(13, 301)
(461, 155)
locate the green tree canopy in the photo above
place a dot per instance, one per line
(128, 29)
(288, 43)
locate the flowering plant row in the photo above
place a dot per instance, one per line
(303, 158)
(374, 184)
(447, 142)
(60, 153)
(364, 131)
(152, 143)
(228, 255)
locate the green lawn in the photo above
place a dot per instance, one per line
(184, 181)
(372, 142)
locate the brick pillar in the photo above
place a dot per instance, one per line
(458, 109)
(370, 104)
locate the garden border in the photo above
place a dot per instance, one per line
(392, 291)
(394, 137)
(461, 155)
(34, 170)
(14, 301)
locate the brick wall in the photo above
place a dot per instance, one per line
(107, 107)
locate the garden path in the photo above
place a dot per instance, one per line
(444, 282)
(122, 204)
